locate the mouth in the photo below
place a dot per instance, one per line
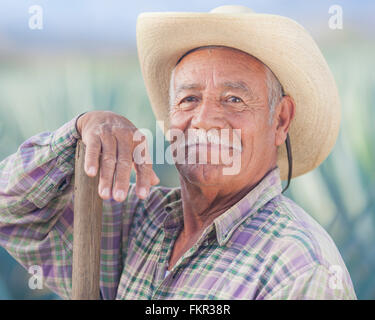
(211, 146)
(219, 147)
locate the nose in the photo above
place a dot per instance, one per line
(207, 116)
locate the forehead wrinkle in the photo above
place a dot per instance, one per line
(213, 77)
(239, 85)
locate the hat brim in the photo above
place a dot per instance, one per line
(279, 42)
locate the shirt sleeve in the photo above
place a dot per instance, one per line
(36, 205)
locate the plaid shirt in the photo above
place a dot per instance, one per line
(264, 247)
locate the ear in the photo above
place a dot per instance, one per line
(283, 116)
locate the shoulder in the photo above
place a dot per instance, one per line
(151, 208)
(300, 230)
(293, 248)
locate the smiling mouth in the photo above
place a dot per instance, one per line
(209, 145)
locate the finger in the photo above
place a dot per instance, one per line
(123, 169)
(143, 180)
(154, 179)
(92, 154)
(143, 167)
(107, 165)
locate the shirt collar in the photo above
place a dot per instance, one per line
(268, 188)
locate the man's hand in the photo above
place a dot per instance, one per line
(110, 136)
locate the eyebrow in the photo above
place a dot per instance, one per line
(228, 84)
(237, 85)
(188, 86)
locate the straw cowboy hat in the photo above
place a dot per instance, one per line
(279, 42)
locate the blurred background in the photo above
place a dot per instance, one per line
(84, 58)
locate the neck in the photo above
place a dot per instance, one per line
(202, 204)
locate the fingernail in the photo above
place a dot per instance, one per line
(120, 195)
(143, 192)
(105, 192)
(91, 171)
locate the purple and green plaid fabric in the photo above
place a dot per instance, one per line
(264, 247)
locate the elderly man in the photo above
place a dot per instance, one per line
(218, 236)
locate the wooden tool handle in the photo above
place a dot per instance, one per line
(86, 233)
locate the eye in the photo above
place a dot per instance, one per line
(189, 99)
(234, 99)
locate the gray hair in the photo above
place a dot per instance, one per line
(275, 90)
(274, 87)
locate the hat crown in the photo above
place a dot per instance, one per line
(279, 42)
(232, 9)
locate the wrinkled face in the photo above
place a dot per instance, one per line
(222, 88)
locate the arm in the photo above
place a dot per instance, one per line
(36, 205)
(36, 197)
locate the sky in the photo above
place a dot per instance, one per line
(111, 23)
